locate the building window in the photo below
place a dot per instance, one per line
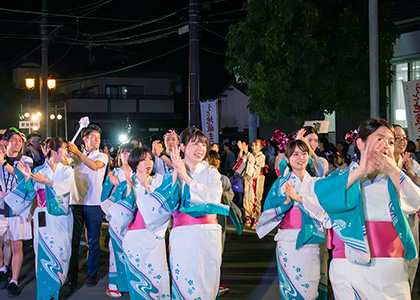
(397, 95)
(124, 91)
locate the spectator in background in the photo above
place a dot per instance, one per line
(215, 147)
(230, 158)
(418, 150)
(33, 150)
(136, 142)
(411, 148)
(12, 227)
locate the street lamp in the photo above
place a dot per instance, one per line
(50, 83)
(30, 83)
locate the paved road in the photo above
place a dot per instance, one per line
(249, 270)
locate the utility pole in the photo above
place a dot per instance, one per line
(373, 58)
(43, 89)
(194, 66)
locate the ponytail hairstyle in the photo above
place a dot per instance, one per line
(54, 143)
(368, 127)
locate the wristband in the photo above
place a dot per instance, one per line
(5, 163)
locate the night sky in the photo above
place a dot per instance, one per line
(89, 37)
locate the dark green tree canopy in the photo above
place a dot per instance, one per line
(298, 56)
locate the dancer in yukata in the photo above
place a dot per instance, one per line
(299, 235)
(144, 250)
(110, 194)
(366, 205)
(53, 221)
(251, 165)
(195, 240)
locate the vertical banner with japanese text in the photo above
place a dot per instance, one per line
(210, 120)
(412, 107)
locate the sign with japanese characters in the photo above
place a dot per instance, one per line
(28, 124)
(210, 120)
(412, 107)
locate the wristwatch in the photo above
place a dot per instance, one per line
(5, 163)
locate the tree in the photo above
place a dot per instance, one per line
(299, 56)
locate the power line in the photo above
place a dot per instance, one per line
(225, 13)
(211, 31)
(19, 29)
(68, 16)
(81, 7)
(137, 25)
(213, 52)
(73, 80)
(134, 36)
(92, 9)
(20, 54)
(71, 46)
(145, 40)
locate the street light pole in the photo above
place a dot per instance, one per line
(194, 66)
(373, 58)
(44, 72)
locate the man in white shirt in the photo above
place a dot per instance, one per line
(89, 171)
(12, 226)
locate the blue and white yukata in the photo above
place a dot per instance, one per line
(195, 240)
(144, 250)
(52, 242)
(298, 238)
(372, 237)
(117, 273)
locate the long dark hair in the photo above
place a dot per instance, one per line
(137, 155)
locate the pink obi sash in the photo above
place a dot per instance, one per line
(383, 241)
(138, 221)
(42, 200)
(292, 219)
(181, 219)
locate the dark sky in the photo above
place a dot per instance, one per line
(95, 36)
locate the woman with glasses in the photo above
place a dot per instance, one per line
(412, 169)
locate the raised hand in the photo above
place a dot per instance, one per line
(154, 147)
(73, 148)
(24, 169)
(300, 134)
(383, 159)
(114, 179)
(406, 167)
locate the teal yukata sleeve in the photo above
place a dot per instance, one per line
(57, 205)
(400, 221)
(200, 210)
(157, 207)
(106, 189)
(122, 211)
(345, 209)
(274, 209)
(20, 199)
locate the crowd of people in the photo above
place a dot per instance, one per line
(167, 206)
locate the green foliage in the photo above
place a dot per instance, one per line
(299, 56)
